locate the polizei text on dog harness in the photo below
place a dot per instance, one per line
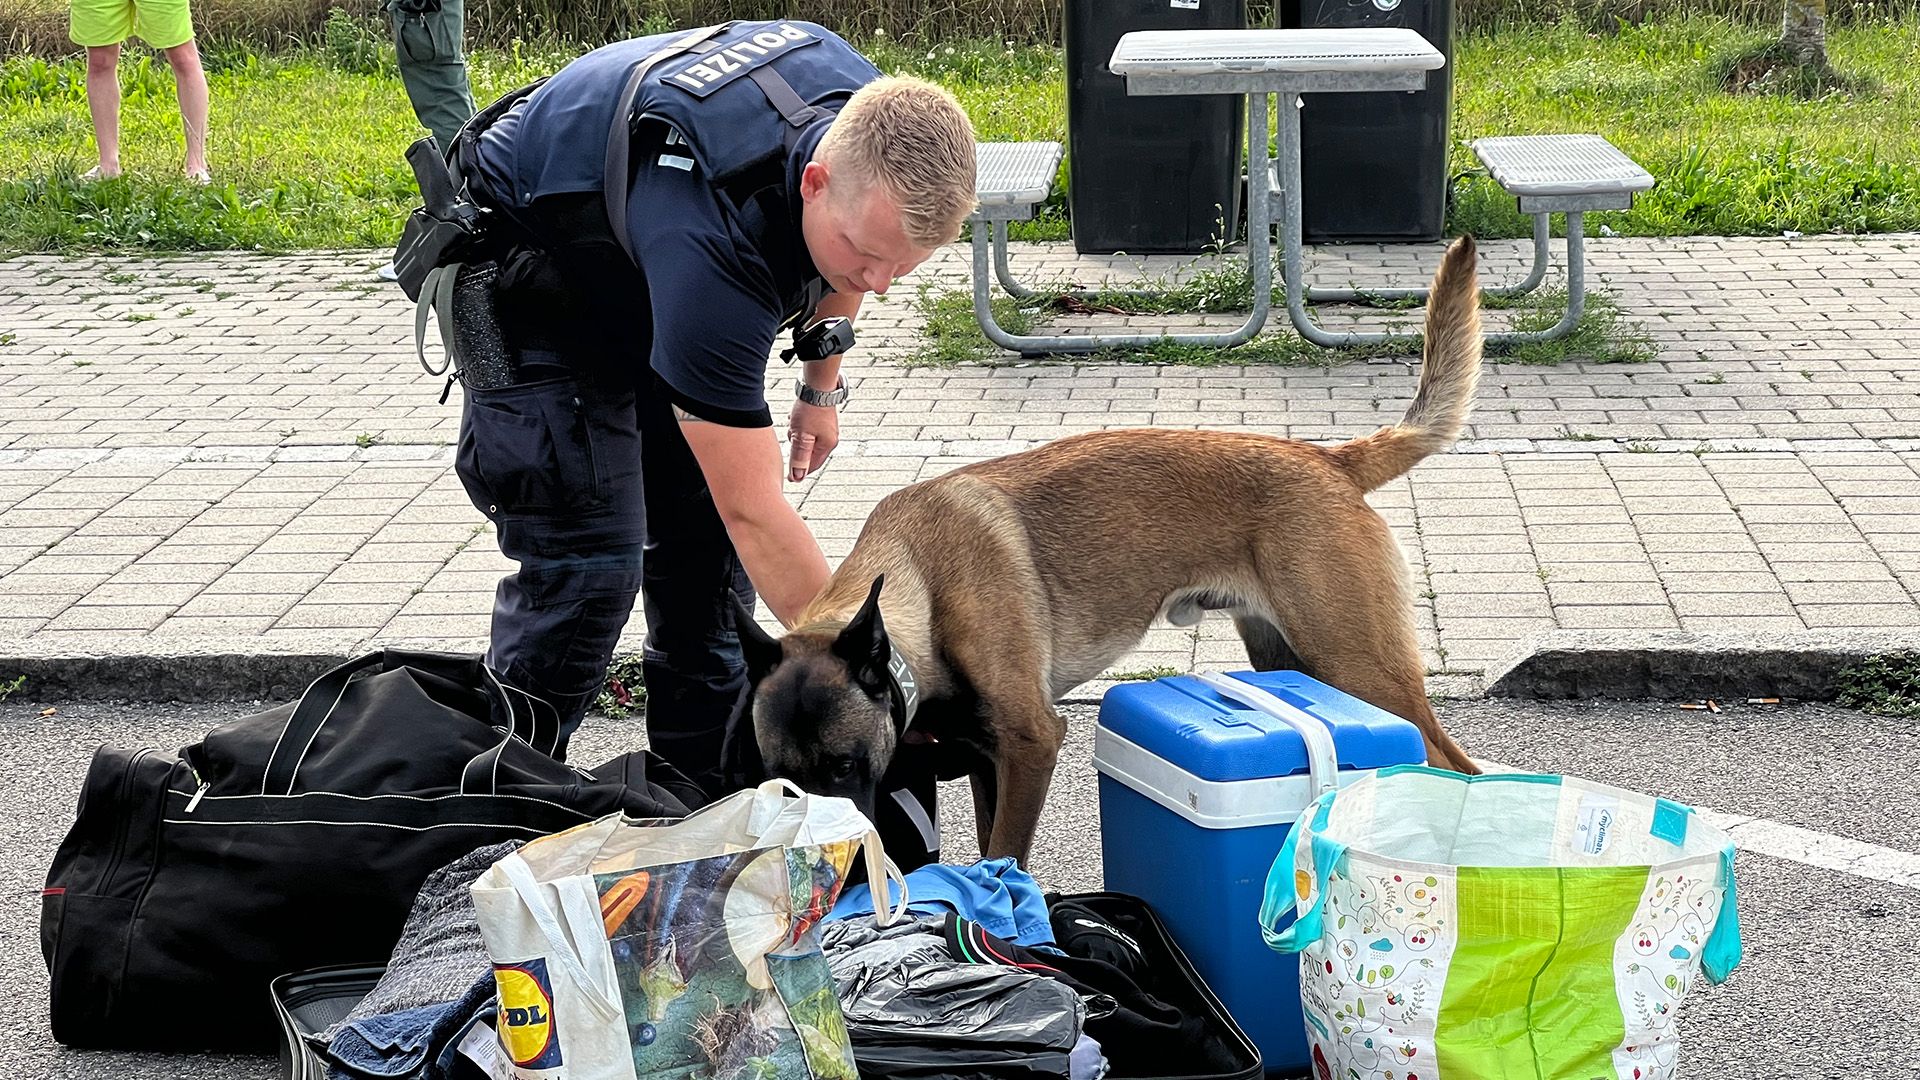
(707, 72)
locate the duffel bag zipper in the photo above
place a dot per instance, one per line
(199, 792)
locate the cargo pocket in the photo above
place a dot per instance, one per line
(422, 37)
(528, 449)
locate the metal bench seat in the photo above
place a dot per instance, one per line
(1563, 172)
(1560, 174)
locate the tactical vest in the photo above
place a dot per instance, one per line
(737, 94)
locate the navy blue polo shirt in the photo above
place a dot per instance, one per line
(720, 287)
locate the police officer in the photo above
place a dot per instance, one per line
(773, 178)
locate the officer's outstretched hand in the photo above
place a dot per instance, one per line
(812, 433)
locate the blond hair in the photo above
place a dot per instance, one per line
(913, 139)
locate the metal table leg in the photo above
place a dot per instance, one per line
(1290, 225)
(1576, 290)
(1290, 228)
(1542, 234)
(1004, 272)
(989, 242)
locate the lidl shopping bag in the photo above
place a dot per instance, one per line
(636, 951)
(1499, 926)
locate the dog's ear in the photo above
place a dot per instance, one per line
(864, 645)
(761, 650)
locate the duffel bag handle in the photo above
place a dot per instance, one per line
(310, 714)
(532, 718)
(1323, 761)
(323, 696)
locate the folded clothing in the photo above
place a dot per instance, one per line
(438, 978)
(995, 893)
(409, 1043)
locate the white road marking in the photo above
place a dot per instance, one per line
(1825, 850)
(1804, 846)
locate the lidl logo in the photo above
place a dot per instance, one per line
(526, 1014)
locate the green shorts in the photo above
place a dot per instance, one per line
(160, 23)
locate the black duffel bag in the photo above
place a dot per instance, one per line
(295, 839)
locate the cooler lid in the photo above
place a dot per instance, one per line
(1184, 722)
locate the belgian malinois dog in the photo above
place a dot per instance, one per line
(1009, 582)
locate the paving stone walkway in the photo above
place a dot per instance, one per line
(241, 449)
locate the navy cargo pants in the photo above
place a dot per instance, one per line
(592, 489)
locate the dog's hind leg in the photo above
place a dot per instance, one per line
(1267, 647)
(1345, 609)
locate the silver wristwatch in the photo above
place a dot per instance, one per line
(825, 398)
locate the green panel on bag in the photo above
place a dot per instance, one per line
(1530, 989)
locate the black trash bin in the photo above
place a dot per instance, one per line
(1374, 166)
(1148, 174)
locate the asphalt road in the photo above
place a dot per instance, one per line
(1826, 990)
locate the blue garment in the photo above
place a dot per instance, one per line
(410, 1043)
(556, 143)
(1086, 1062)
(995, 893)
(580, 464)
(713, 214)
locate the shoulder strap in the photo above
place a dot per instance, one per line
(781, 94)
(620, 133)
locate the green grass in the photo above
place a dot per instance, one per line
(1727, 164)
(307, 145)
(306, 151)
(1160, 671)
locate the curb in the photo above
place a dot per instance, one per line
(1668, 664)
(191, 669)
(1657, 664)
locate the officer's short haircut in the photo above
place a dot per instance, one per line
(913, 139)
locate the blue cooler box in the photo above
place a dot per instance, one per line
(1197, 792)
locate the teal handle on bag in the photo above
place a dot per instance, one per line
(1280, 890)
(1724, 951)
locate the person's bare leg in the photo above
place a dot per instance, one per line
(191, 83)
(103, 101)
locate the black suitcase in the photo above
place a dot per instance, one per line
(296, 839)
(1229, 1054)
(308, 1003)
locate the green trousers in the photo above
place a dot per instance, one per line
(433, 63)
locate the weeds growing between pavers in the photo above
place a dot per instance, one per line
(624, 693)
(1886, 685)
(951, 334)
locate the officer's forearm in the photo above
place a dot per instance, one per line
(781, 558)
(742, 467)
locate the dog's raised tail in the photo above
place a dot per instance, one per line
(1448, 373)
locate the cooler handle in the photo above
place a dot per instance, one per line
(1323, 762)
